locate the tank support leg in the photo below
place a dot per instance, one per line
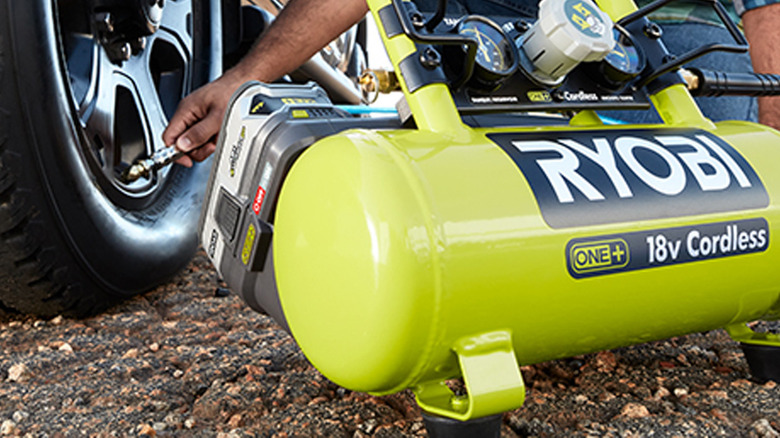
(493, 384)
(441, 427)
(762, 351)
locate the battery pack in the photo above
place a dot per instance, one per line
(266, 129)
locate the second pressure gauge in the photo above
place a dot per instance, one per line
(496, 53)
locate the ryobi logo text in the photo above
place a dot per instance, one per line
(584, 178)
(235, 151)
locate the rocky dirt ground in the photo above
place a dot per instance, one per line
(186, 360)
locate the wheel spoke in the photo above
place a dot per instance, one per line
(98, 110)
(146, 105)
(177, 21)
(169, 63)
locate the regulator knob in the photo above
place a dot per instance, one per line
(567, 33)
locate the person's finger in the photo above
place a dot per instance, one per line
(201, 132)
(203, 152)
(184, 160)
(186, 115)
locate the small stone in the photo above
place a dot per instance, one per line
(159, 426)
(147, 430)
(662, 392)
(19, 373)
(189, 423)
(131, 354)
(720, 415)
(723, 395)
(235, 421)
(763, 429)
(770, 384)
(154, 347)
(581, 399)
(634, 410)
(606, 361)
(8, 428)
(173, 420)
(57, 320)
(221, 292)
(20, 416)
(369, 426)
(680, 392)
(66, 348)
(178, 373)
(39, 324)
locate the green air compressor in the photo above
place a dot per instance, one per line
(498, 221)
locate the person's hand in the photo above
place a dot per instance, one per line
(195, 125)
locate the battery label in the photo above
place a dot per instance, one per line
(600, 255)
(265, 179)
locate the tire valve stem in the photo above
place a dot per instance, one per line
(143, 167)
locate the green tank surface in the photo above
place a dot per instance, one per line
(394, 249)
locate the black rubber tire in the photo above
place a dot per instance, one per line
(65, 246)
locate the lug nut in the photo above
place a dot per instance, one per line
(104, 22)
(138, 45)
(125, 51)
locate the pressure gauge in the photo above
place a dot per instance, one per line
(496, 53)
(623, 63)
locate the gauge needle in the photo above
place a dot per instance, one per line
(482, 45)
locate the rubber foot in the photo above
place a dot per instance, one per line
(763, 360)
(485, 427)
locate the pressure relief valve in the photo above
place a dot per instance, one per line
(567, 33)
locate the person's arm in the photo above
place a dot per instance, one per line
(762, 28)
(302, 28)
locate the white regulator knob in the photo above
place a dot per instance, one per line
(568, 32)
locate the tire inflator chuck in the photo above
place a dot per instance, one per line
(143, 167)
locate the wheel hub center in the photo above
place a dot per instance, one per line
(122, 26)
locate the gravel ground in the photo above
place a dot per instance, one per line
(185, 360)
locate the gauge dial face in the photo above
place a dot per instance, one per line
(495, 52)
(624, 57)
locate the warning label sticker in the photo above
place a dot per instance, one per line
(600, 255)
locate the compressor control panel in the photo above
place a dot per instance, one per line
(571, 57)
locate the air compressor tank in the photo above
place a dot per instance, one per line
(406, 257)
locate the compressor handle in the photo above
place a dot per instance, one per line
(715, 83)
